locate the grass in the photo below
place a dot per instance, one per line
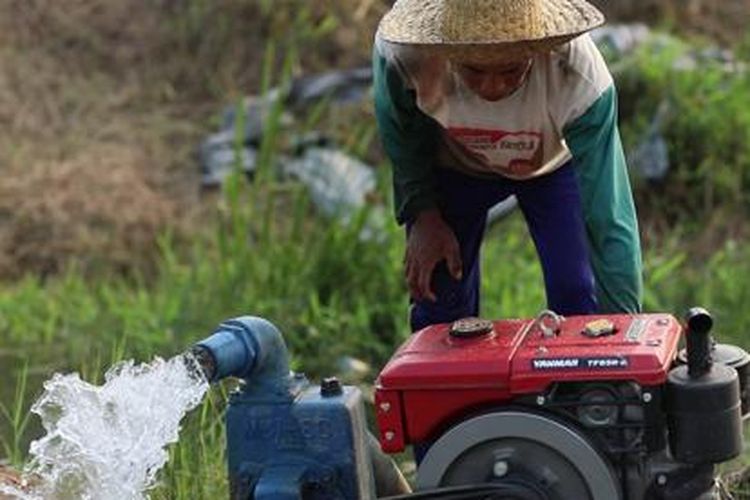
(705, 122)
(17, 416)
(329, 292)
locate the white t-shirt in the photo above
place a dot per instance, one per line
(520, 136)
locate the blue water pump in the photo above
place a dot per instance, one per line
(286, 438)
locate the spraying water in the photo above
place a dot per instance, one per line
(108, 442)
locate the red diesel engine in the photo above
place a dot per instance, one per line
(594, 407)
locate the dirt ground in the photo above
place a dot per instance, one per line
(100, 115)
(9, 477)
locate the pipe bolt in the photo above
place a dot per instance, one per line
(500, 469)
(331, 387)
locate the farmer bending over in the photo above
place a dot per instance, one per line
(478, 100)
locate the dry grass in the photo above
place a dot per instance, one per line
(98, 210)
(96, 163)
(103, 103)
(725, 21)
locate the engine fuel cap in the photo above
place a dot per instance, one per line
(599, 328)
(468, 328)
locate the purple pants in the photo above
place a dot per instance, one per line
(551, 205)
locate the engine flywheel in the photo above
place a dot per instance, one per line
(535, 456)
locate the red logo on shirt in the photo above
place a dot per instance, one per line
(516, 153)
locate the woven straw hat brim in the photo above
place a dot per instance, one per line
(484, 53)
(422, 23)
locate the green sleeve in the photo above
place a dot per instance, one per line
(410, 139)
(609, 212)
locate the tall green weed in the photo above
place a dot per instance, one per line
(706, 126)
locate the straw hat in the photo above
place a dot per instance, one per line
(487, 29)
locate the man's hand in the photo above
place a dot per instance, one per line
(430, 241)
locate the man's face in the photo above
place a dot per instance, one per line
(493, 82)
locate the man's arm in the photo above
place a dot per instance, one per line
(410, 139)
(608, 207)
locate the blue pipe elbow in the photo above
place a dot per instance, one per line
(247, 347)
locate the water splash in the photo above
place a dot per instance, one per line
(108, 441)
